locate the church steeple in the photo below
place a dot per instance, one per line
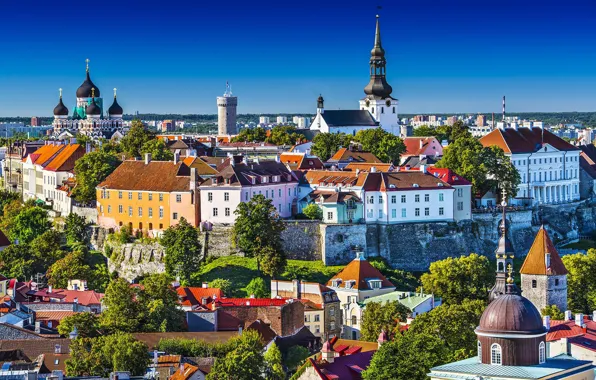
(378, 88)
(504, 255)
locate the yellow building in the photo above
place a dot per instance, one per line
(149, 196)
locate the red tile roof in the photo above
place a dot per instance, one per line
(53, 315)
(345, 154)
(360, 271)
(192, 296)
(563, 329)
(42, 155)
(417, 145)
(524, 140)
(535, 262)
(249, 302)
(448, 175)
(586, 341)
(185, 372)
(156, 176)
(65, 159)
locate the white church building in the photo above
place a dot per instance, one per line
(377, 108)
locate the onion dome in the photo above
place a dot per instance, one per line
(115, 108)
(60, 109)
(93, 109)
(84, 90)
(320, 101)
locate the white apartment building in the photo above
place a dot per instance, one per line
(548, 166)
(264, 120)
(239, 182)
(282, 120)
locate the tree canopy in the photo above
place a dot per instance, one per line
(245, 362)
(324, 145)
(29, 223)
(581, 281)
(158, 150)
(553, 312)
(257, 288)
(90, 170)
(182, 249)
(74, 229)
(313, 212)
(284, 135)
(72, 266)
(87, 325)
(379, 317)
(257, 134)
(384, 145)
(136, 137)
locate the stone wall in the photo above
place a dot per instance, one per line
(135, 260)
(301, 240)
(89, 213)
(340, 241)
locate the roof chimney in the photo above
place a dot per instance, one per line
(176, 158)
(193, 178)
(147, 158)
(568, 315)
(546, 322)
(579, 319)
(205, 285)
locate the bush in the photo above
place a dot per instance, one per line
(313, 212)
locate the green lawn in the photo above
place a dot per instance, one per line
(582, 244)
(240, 270)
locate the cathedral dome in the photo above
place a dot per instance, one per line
(115, 108)
(511, 314)
(85, 89)
(93, 109)
(60, 109)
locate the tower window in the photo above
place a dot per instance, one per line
(393, 109)
(556, 282)
(479, 352)
(372, 110)
(495, 354)
(541, 353)
(534, 284)
(382, 110)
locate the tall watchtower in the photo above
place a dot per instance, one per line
(226, 112)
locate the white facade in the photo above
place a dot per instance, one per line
(429, 205)
(383, 111)
(264, 120)
(282, 120)
(226, 112)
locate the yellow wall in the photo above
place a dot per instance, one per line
(113, 218)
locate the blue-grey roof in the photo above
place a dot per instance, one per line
(469, 368)
(348, 118)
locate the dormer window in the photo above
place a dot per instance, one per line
(264, 179)
(335, 283)
(227, 181)
(375, 284)
(350, 284)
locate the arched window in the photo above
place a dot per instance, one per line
(354, 321)
(495, 354)
(541, 353)
(479, 352)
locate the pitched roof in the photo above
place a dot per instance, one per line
(203, 168)
(42, 155)
(4, 242)
(524, 140)
(185, 372)
(300, 161)
(334, 196)
(35, 347)
(342, 118)
(83, 297)
(347, 367)
(353, 155)
(360, 270)
(331, 177)
(241, 174)
(448, 176)
(160, 176)
(53, 315)
(264, 329)
(394, 181)
(563, 329)
(535, 262)
(417, 145)
(192, 296)
(368, 166)
(65, 159)
(250, 302)
(587, 164)
(416, 161)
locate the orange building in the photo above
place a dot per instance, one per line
(149, 196)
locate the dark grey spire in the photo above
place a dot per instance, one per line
(377, 88)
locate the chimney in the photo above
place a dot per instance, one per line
(421, 143)
(296, 289)
(176, 158)
(579, 319)
(193, 178)
(547, 260)
(205, 285)
(37, 327)
(357, 172)
(147, 158)
(181, 367)
(277, 158)
(327, 352)
(423, 169)
(568, 315)
(50, 289)
(373, 169)
(546, 322)
(382, 338)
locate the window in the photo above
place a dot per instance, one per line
(209, 196)
(534, 284)
(215, 211)
(393, 199)
(140, 211)
(541, 353)
(380, 214)
(416, 212)
(460, 192)
(380, 199)
(403, 199)
(426, 211)
(130, 195)
(246, 196)
(317, 329)
(109, 209)
(495, 354)
(441, 197)
(460, 206)
(332, 326)
(178, 198)
(403, 212)
(393, 214)
(382, 110)
(129, 211)
(354, 320)
(441, 211)
(227, 211)
(120, 209)
(329, 215)
(101, 209)
(161, 197)
(332, 311)
(120, 195)
(393, 109)
(279, 192)
(150, 212)
(369, 213)
(175, 216)
(417, 198)
(479, 352)
(556, 279)
(160, 213)
(140, 196)
(371, 199)
(150, 196)
(317, 317)
(306, 318)
(427, 197)
(266, 193)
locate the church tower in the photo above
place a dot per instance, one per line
(226, 112)
(543, 274)
(504, 255)
(378, 100)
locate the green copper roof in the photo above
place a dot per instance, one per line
(411, 301)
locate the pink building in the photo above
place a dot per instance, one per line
(422, 146)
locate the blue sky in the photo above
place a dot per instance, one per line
(175, 56)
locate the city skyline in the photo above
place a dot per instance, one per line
(459, 58)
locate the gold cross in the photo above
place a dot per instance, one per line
(509, 271)
(60, 92)
(115, 91)
(504, 194)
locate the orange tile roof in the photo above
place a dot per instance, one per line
(156, 176)
(53, 315)
(367, 166)
(535, 262)
(360, 270)
(202, 167)
(65, 159)
(83, 297)
(524, 140)
(345, 154)
(414, 146)
(185, 372)
(192, 296)
(44, 153)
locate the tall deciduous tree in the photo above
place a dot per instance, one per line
(273, 367)
(5, 198)
(161, 302)
(75, 229)
(273, 262)
(325, 144)
(257, 134)
(90, 170)
(137, 136)
(284, 135)
(386, 146)
(457, 279)
(581, 281)
(28, 224)
(257, 288)
(182, 249)
(71, 267)
(245, 362)
(378, 317)
(87, 325)
(553, 312)
(123, 311)
(158, 150)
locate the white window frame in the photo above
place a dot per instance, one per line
(496, 354)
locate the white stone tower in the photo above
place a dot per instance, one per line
(226, 112)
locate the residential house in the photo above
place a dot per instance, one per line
(191, 298)
(322, 311)
(187, 147)
(34, 182)
(188, 372)
(300, 161)
(415, 162)
(57, 171)
(462, 196)
(421, 147)
(358, 281)
(240, 182)
(547, 164)
(12, 171)
(149, 196)
(353, 153)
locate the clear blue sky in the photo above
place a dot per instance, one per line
(175, 56)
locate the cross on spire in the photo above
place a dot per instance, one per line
(115, 89)
(87, 62)
(504, 201)
(60, 90)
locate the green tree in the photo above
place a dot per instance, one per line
(123, 311)
(71, 267)
(408, 358)
(581, 281)
(222, 283)
(454, 325)
(257, 225)
(382, 316)
(257, 288)
(273, 262)
(5, 198)
(257, 134)
(158, 150)
(245, 362)
(295, 356)
(325, 144)
(386, 146)
(284, 135)
(75, 229)
(273, 367)
(90, 170)
(182, 249)
(161, 302)
(553, 312)
(45, 250)
(313, 212)
(29, 223)
(87, 325)
(401, 279)
(424, 131)
(137, 136)
(102, 355)
(457, 279)
(16, 262)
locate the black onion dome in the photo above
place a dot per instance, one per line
(85, 89)
(115, 108)
(511, 314)
(60, 109)
(93, 108)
